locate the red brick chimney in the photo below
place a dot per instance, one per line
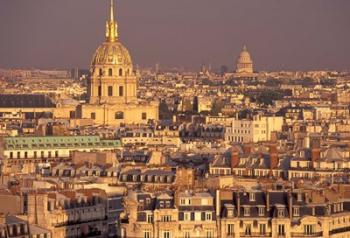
(315, 154)
(234, 159)
(273, 156)
(315, 150)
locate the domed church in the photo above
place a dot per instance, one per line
(112, 87)
(244, 62)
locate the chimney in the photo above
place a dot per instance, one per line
(218, 208)
(315, 155)
(273, 157)
(315, 150)
(247, 148)
(234, 159)
(267, 194)
(290, 204)
(238, 204)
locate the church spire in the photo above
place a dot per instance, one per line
(111, 26)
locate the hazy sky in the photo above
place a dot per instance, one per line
(280, 34)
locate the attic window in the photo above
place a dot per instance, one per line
(296, 211)
(261, 211)
(252, 197)
(280, 212)
(247, 211)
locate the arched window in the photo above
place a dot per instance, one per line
(110, 72)
(120, 72)
(119, 115)
(100, 72)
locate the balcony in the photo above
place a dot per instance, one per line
(256, 234)
(303, 235)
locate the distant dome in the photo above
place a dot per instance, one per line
(112, 53)
(244, 62)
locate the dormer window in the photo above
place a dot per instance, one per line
(247, 211)
(167, 203)
(296, 211)
(280, 212)
(261, 211)
(161, 204)
(252, 197)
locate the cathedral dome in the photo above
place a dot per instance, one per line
(112, 53)
(244, 62)
(244, 56)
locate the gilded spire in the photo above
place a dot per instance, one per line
(112, 11)
(111, 26)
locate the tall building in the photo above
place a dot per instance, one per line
(112, 87)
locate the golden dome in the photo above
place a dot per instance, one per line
(111, 53)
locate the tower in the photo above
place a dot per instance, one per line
(113, 80)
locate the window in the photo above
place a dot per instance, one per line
(119, 115)
(149, 218)
(187, 234)
(26, 154)
(35, 154)
(262, 229)
(246, 211)
(281, 229)
(146, 234)
(248, 229)
(93, 115)
(187, 216)
(99, 91)
(208, 216)
(166, 218)
(11, 155)
(230, 229)
(100, 72)
(209, 233)
(261, 211)
(144, 116)
(120, 72)
(280, 212)
(309, 229)
(110, 72)
(166, 234)
(121, 91)
(42, 154)
(110, 91)
(296, 211)
(56, 153)
(18, 154)
(251, 196)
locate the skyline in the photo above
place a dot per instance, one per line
(205, 38)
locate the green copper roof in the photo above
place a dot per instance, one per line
(47, 142)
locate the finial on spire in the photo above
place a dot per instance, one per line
(112, 11)
(245, 48)
(111, 26)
